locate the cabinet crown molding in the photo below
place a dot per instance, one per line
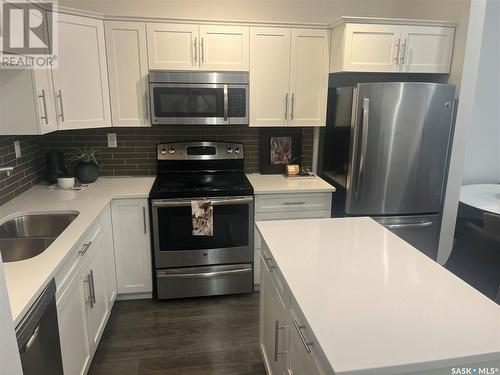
(390, 21)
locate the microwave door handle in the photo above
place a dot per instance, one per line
(226, 103)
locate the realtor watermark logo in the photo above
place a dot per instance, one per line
(474, 371)
(29, 35)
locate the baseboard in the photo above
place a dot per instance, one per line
(130, 296)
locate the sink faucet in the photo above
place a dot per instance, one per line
(7, 171)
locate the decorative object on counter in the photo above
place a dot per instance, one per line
(292, 170)
(87, 164)
(55, 166)
(202, 214)
(76, 187)
(303, 174)
(279, 147)
(66, 182)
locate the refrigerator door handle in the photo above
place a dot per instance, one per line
(364, 141)
(423, 224)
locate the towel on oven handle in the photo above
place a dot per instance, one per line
(202, 214)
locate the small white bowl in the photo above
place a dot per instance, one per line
(65, 182)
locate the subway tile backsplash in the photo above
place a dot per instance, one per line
(28, 169)
(135, 154)
(136, 151)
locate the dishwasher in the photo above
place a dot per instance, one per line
(38, 336)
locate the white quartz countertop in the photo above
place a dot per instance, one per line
(485, 197)
(373, 301)
(26, 279)
(277, 183)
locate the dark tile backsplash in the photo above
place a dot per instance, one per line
(135, 154)
(28, 169)
(136, 151)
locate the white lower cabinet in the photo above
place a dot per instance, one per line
(287, 344)
(287, 207)
(132, 245)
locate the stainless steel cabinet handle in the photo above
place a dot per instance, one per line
(90, 300)
(93, 286)
(291, 110)
(403, 52)
(31, 340)
(202, 52)
(61, 108)
(293, 203)
(226, 104)
(195, 50)
(144, 219)
(146, 109)
(306, 343)
(423, 224)
(277, 328)
(44, 102)
(286, 106)
(398, 45)
(203, 274)
(84, 249)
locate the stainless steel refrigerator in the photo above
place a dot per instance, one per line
(386, 149)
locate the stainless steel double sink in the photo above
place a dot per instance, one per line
(26, 236)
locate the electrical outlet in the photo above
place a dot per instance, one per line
(112, 140)
(17, 149)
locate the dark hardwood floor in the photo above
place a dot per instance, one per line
(201, 336)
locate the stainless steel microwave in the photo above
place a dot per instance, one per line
(198, 98)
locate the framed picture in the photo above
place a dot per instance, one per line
(279, 147)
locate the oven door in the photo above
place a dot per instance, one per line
(198, 104)
(175, 246)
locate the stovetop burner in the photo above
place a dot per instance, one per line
(200, 169)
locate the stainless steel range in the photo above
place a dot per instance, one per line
(220, 261)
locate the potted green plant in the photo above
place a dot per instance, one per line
(86, 164)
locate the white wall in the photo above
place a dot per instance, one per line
(476, 142)
(10, 363)
(482, 158)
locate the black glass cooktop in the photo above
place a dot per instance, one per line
(198, 184)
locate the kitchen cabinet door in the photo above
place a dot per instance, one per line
(132, 245)
(272, 324)
(73, 332)
(224, 48)
(128, 72)
(173, 46)
(309, 77)
(81, 79)
(427, 49)
(95, 276)
(368, 47)
(269, 76)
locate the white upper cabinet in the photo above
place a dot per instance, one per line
(427, 49)
(81, 80)
(194, 47)
(224, 48)
(269, 76)
(128, 72)
(172, 46)
(309, 77)
(391, 46)
(288, 76)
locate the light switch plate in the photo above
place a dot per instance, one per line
(112, 140)
(17, 149)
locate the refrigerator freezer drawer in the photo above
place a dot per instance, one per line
(422, 232)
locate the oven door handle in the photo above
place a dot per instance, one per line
(203, 274)
(187, 202)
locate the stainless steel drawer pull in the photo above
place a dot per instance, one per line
(203, 274)
(306, 343)
(93, 286)
(269, 264)
(423, 224)
(293, 203)
(277, 328)
(144, 220)
(31, 340)
(90, 299)
(84, 249)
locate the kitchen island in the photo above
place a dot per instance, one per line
(347, 296)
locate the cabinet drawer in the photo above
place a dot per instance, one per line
(292, 202)
(77, 255)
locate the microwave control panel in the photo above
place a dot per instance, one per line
(237, 102)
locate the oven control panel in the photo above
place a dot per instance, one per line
(202, 150)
